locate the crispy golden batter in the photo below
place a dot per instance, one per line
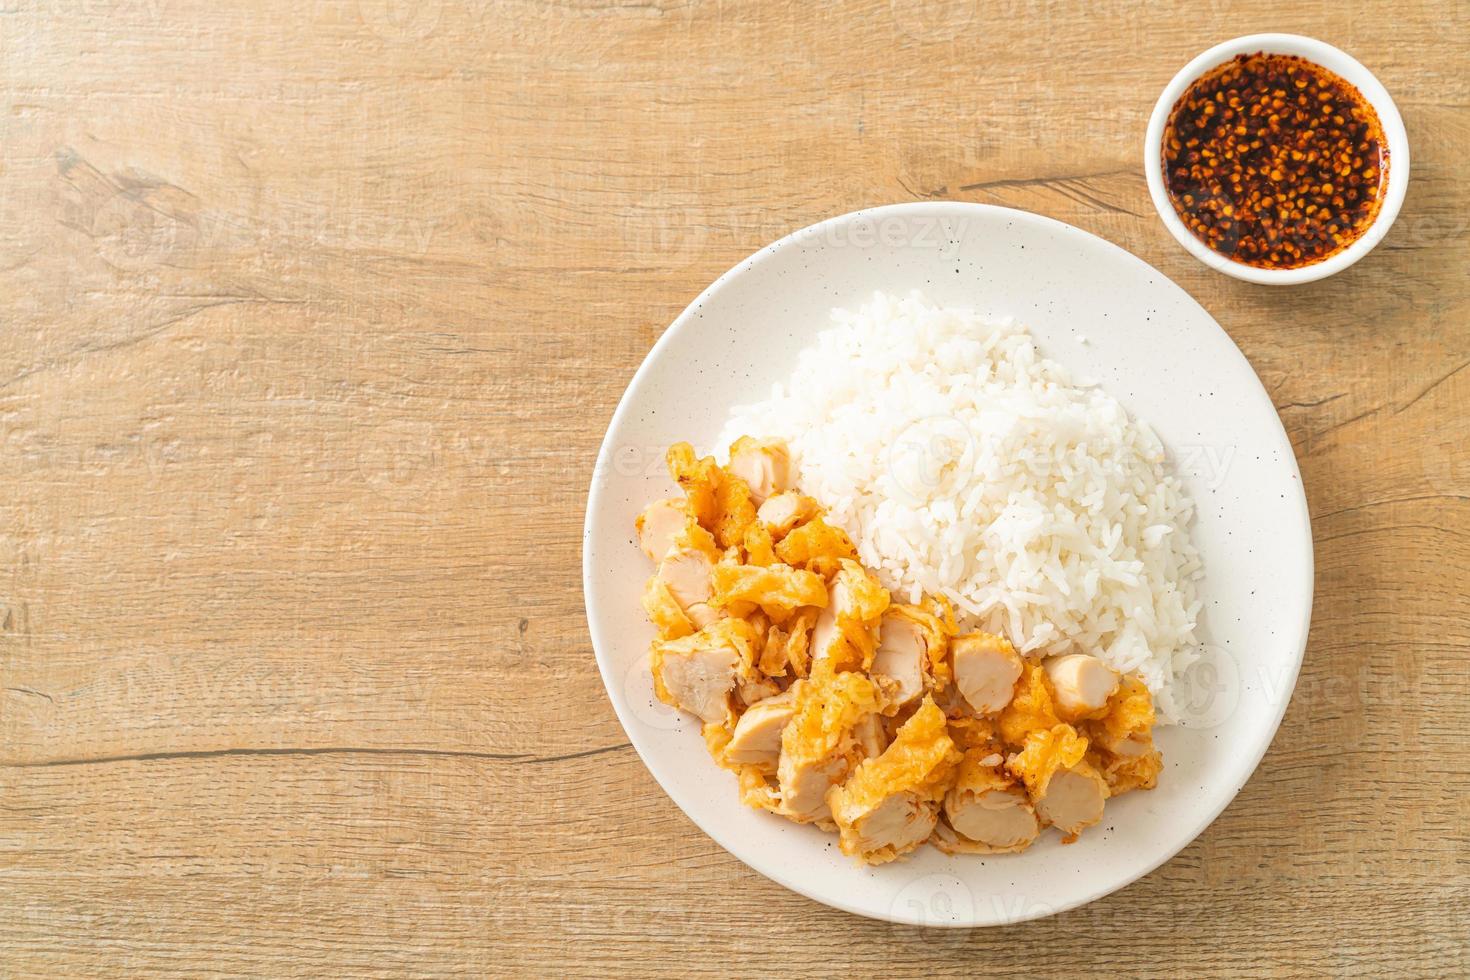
(1122, 739)
(758, 546)
(1030, 709)
(779, 590)
(664, 611)
(719, 500)
(816, 545)
(698, 478)
(827, 709)
(1130, 714)
(1123, 774)
(799, 641)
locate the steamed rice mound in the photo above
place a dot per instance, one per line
(964, 463)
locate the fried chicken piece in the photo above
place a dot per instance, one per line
(913, 651)
(688, 576)
(1065, 789)
(1124, 774)
(845, 634)
(698, 477)
(660, 525)
(986, 668)
(786, 647)
(935, 617)
(734, 511)
(1080, 684)
(698, 673)
(756, 740)
(720, 501)
(758, 789)
(1129, 718)
(765, 466)
(1122, 740)
(900, 661)
(1073, 800)
(664, 611)
(819, 745)
(697, 679)
(785, 511)
(1045, 752)
(986, 808)
(890, 804)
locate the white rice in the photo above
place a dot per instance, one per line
(963, 462)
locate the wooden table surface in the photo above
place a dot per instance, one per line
(311, 320)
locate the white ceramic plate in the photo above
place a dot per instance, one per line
(1150, 345)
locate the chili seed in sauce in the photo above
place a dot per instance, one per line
(1274, 161)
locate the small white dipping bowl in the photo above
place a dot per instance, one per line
(1333, 60)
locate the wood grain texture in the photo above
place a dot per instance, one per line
(311, 319)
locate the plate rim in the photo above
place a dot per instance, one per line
(681, 323)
